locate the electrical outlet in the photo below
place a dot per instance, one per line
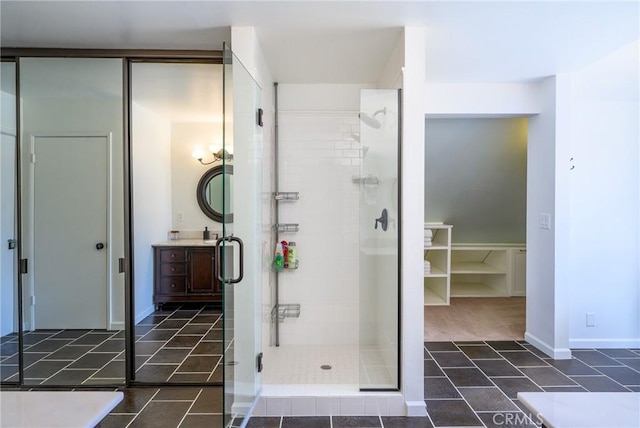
(591, 319)
(180, 216)
(545, 221)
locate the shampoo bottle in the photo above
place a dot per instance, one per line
(292, 255)
(278, 259)
(285, 249)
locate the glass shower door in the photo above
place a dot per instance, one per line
(379, 239)
(239, 247)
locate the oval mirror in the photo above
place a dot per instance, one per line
(214, 191)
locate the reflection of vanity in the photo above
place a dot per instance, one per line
(184, 271)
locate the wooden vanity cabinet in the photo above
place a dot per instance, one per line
(185, 274)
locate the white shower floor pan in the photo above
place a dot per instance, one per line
(295, 384)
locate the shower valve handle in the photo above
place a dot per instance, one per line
(383, 220)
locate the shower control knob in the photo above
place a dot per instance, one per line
(99, 246)
(383, 220)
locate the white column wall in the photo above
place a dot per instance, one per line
(541, 243)
(412, 176)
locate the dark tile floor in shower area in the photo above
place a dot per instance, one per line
(476, 384)
(180, 343)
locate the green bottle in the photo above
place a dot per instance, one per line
(278, 260)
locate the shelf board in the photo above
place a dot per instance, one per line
(475, 268)
(432, 299)
(436, 247)
(474, 289)
(435, 272)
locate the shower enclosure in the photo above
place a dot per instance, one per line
(379, 228)
(333, 320)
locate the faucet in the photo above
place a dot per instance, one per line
(383, 220)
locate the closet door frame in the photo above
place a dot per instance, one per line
(126, 264)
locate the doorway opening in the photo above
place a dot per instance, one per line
(475, 230)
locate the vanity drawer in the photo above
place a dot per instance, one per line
(173, 255)
(167, 269)
(173, 285)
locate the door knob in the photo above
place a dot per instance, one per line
(99, 246)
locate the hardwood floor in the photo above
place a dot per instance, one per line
(473, 319)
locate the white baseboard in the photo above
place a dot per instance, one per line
(555, 353)
(116, 325)
(145, 313)
(416, 408)
(579, 343)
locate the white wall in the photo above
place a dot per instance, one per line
(318, 158)
(151, 165)
(481, 99)
(477, 175)
(604, 202)
(186, 173)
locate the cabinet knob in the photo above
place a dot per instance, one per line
(173, 286)
(173, 255)
(173, 269)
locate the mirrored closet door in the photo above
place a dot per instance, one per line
(9, 359)
(177, 174)
(72, 220)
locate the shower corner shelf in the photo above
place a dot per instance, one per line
(287, 227)
(294, 267)
(285, 310)
(286, 196)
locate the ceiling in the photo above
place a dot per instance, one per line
(345, 41)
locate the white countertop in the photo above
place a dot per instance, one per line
(583, 409)
(186, 243)
(50, 409)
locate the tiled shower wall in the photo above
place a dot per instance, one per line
(318, 157)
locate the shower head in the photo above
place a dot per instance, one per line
(355, 137)
(371, 120)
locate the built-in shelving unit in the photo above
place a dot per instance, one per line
(470, 270)
(482, 270)
(438, 254)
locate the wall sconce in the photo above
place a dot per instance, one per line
(218, 155)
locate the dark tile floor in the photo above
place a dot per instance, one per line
(475, 384)
(167, 407)
(180, 343)
(466, 384)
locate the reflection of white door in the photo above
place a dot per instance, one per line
(70, 202)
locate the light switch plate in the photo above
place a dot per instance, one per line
(545, 221)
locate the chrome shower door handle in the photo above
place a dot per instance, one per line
(383, 220)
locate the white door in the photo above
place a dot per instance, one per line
(70, 202)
